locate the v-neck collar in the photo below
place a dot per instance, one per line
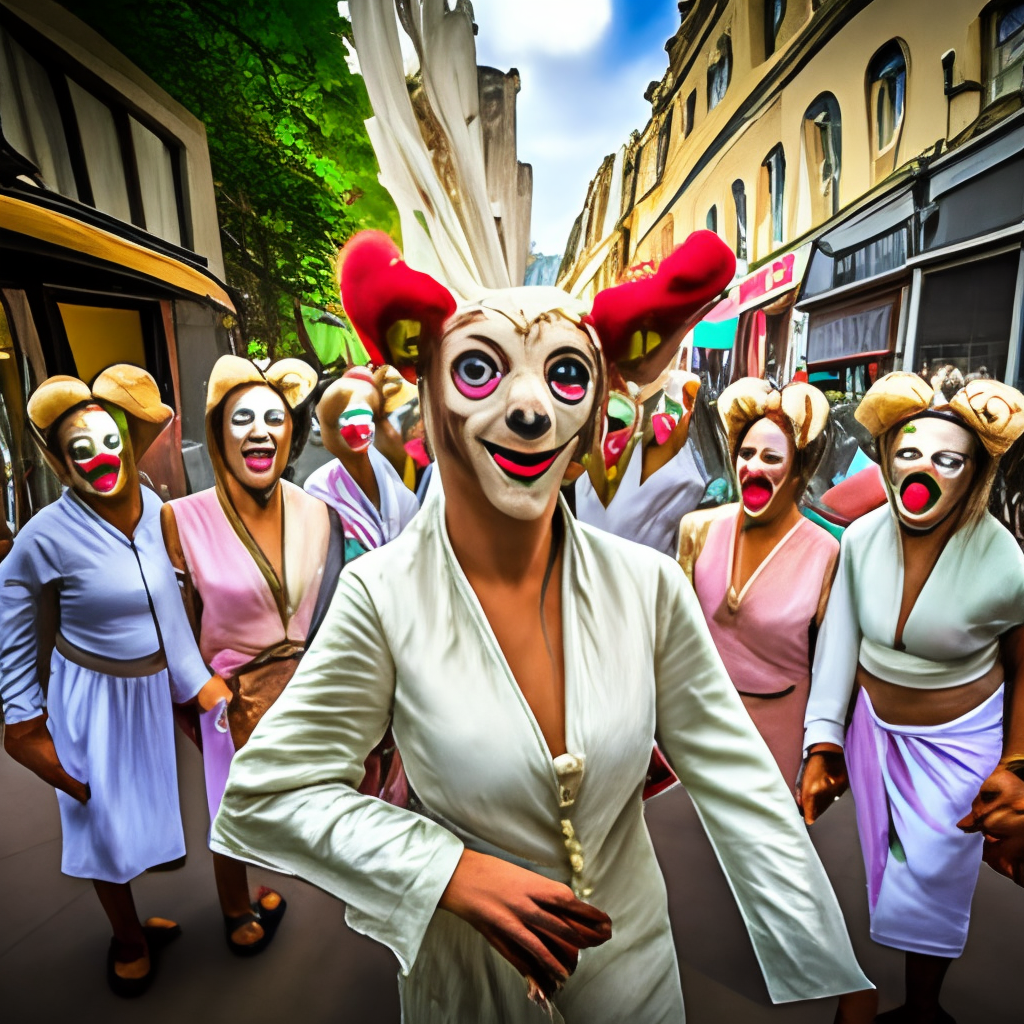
(569, 637)
(92, 514)
(771, 554)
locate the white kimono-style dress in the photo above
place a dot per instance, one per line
(406, 641)
(124, 652)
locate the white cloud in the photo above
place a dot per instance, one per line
(542, 26)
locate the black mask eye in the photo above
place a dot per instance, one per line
(242, 417)
(475, 374)
(81, 449)
(112, 441)
(274, 417)
(568, 379)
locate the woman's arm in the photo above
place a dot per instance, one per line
(782, 891)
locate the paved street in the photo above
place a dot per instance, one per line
(53, 936)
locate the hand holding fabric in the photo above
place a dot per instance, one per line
(537, 925)
(31, 745)
(215, 690)
(998, 809)
(823, 782)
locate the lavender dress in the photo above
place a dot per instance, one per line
(118, 600)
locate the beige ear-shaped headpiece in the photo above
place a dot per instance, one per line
(748, 399)
(989, 408)
(292, 378)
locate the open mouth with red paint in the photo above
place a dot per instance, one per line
(259, 460)
(522, 466)
(757, 492)
(919, 493)
(101, 471)
(357, 435)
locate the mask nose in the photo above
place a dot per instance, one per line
(528, 423)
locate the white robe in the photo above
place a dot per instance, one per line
(406, 640)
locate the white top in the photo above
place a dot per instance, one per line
(406, 641)
(647, 512)
(973, 596)
(363, 523)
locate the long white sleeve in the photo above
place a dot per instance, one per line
(291, 801)
(835, 660)
(751, 818)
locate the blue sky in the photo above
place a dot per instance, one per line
(584, 65)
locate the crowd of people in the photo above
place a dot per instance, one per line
(469, 778)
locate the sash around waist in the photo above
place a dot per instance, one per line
(130, 668)
(905, 669)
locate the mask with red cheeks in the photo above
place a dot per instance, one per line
(257, 437)
(764, 468)
(932, 470)
(515, 402)
(93, 451)
(348, 412)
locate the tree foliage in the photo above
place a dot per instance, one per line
(293, 166)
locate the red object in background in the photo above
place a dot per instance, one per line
(659, 775)
(801, 375)
(853, 497)
(417, 451)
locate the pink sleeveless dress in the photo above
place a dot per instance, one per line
(763, 634)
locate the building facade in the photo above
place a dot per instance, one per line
(864, 159)
(109, 241)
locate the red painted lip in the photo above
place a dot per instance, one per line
(920, 493)
(757, 492)
(357, 436)
(259, 460)
(102, 471)
(522, 466)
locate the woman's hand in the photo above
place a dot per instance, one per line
(823, 782)
(537, 925)
(31, 744)
(215, 690)
(998, 809)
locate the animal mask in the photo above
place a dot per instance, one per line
(514, 380)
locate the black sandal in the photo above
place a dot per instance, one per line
(267, 919)
(156, 939)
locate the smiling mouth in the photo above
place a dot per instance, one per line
(919, 493)
(522, 466)
(101, 471)
(259, 460)
(757, 492)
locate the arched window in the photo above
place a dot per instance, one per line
(771, 188)
(887, 87)
(1004, 49)
(739, 199)
(774, 14)
(719, 72)
(711, 221)
(823, 155)
(689, 110)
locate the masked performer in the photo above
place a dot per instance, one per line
(761, 570)
(645, 478)
(928, 588)
(259, 560)
(361, 484)
(103, 734)
(525, 692)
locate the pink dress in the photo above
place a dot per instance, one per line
(763, 633)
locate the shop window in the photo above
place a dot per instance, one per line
(100, 336)
(887, 86)
(739, 199)
(770, 192)
(689, 111)
(1004, 49)
(711, 221)
(822, 139)
(856, 332)
(967, 316)
(774, 14)
(719, 72)
(30, 118)
(156, 180)
(104, 159)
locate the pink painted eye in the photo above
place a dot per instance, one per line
(568, 379)
(475, 374)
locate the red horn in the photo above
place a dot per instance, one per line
(665, 303)
(394, 309)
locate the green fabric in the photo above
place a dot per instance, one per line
(836, 531)
(715, 335)
(332, 343)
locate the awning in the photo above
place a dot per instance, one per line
(772, 280)
(55, 228)
(718, 328)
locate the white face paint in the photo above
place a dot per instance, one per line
(932, 470)
(518, 404)
(764, 462)
(93, 452)
(257, 436)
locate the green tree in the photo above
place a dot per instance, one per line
(293, 166)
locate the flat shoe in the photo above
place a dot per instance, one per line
(268, 920)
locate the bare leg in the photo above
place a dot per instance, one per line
(857, 1007)
(924, 976)
(132, 955)
(233, 892)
